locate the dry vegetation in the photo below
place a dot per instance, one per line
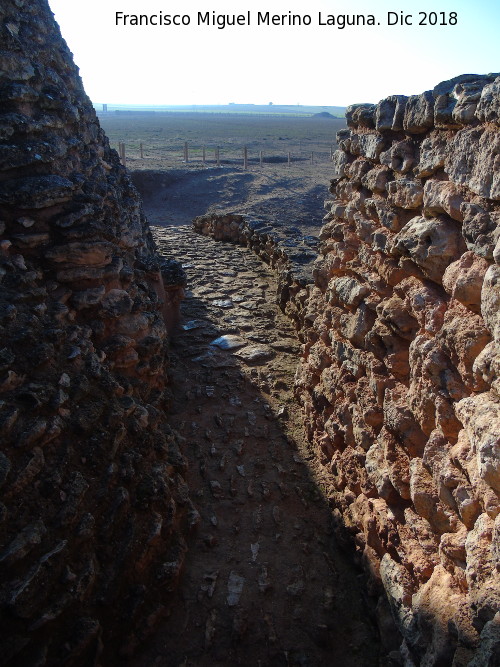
(163, 136)
(288, 196)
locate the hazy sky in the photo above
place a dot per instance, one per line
(283, 64)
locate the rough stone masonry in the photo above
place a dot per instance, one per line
(400, 376)
(93, 506)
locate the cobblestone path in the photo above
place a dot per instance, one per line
(264, 582)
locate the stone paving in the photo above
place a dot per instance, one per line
(264, 582)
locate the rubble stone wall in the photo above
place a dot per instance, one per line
(93, 506)
(400, 375)
(292, 258)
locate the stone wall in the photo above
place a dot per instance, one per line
(400, 375)
(291, 257)
(93, 507)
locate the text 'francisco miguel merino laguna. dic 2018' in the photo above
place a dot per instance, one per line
(339, 21)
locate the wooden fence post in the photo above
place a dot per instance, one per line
(312, 157)
(331, 153)
(142, 153)
(217, 159)
(186, 155)
(203, 155)
(121, 152)
(260, 158)
(245, 158)
(289, 158)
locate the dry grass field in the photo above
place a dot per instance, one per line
(288, 195)
(163, 135)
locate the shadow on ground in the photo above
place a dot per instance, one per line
(264, 582)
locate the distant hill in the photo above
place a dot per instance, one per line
(323, 114)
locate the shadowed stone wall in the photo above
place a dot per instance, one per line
(399, 379)
(93, 505)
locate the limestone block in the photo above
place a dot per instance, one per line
(381, 210)
(425, 302)
(81, 275)
(452, 547)
(357, 169)
(488, 651)
(378, 473)
(490, 300)
(117, 302)
(488, 108)
(340, 160)
(472, 159)
(457, 100)
(399, 420)
(343, 138)
(363, 433)
(405, 193)
(442, 197)
(426, 501)
(360, 115)
(437, 605)
(24, 542)
(36, 191)
(376, 179)
(348, 290)
(437, 459)
(351, 463)
(496, 252)
(25, 241)
(481, 576)
(396, 462)
(450, 85)
(391, 349)
(431, 379)
(16, 67)
(28, 154)
(480, 416)
(432, 154)
(432, 243)
(467, 95)
(400, 157)
(423, 534)
(487, 365)
(481, 229)
(365, 227)
(96, 254)
(368, 145)
(399, 588)
(419, 113)
(463, 280)
(469, 507)
(443, 112)
(355, 326)
(389, 113)
(394, 313)
(463, 337)
(338, 210)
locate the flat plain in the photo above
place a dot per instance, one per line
(287, 189)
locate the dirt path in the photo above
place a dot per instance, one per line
(264, 582)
